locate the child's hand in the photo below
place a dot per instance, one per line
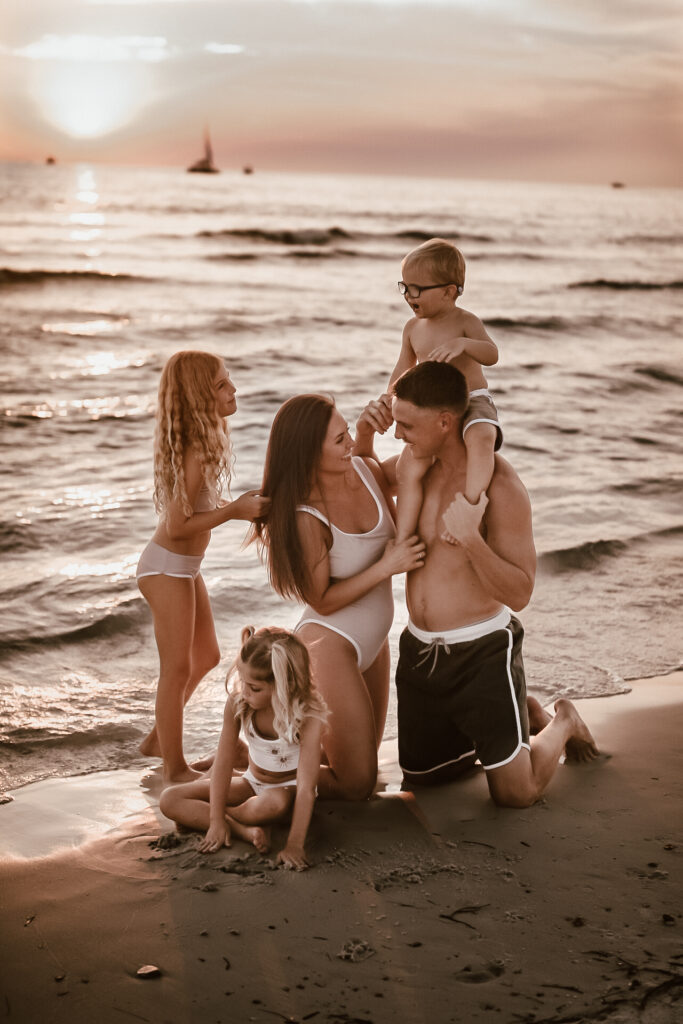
(217, 837)
(250, 505)
(451, 350)
(462, 520)
(376, 416)
(293, 857)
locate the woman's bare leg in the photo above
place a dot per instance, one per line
(377, 681)
(349, 738)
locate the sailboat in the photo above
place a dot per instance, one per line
(205, 164)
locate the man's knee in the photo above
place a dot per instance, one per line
(513, 784)
(514, 798)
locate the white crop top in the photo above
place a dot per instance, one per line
(273, 755)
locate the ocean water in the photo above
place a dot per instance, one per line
(105, 272)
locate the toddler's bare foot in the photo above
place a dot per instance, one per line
(538, 716)
(580, 747)
(150, 745)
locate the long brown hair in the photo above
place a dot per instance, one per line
(294, 447)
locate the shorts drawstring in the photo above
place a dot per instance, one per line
(433, 648)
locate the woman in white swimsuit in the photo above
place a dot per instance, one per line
(329, 542)
(192, 456)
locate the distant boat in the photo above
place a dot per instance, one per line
(618, 184)
(205, 164)
(247, 169)
(50, 160)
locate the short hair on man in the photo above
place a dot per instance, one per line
(433, 385)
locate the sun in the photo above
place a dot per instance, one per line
(89, 100)
(87, 86)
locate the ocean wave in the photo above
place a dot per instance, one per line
(650, 240)
(618, 285)
(114, 624)
(16, 537)
(27, 740)
(534, 323)
(582, 556)
(327, 236)
(659, 374)
(588, 555)
(284, 236)
(9, 276)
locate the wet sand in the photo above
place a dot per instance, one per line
(421, 908)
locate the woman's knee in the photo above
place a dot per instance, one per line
(357, 785)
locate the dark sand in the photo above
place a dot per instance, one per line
(420, 909)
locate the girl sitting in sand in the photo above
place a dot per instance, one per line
(272, 699)
(192, 461)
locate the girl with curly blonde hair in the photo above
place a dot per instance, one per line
(192, 462)
(272, 699)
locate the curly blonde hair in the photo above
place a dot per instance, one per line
(187, 417)
(278, 657)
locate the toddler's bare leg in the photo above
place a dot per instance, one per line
(480, 441)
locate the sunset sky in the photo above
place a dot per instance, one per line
(557, 90)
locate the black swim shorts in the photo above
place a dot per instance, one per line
(461, 700)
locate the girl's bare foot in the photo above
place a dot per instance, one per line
(150, 745)
(204, 763)
(254, 834)
(580, 747)
(185, 774)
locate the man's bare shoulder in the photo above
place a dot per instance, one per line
(506, 484)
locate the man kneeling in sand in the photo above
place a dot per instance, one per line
(460, 677)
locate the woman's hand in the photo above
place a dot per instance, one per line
(403, 555)
(250, 506)
(293, 857)
(217, 837)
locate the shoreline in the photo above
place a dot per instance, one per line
(424, 908)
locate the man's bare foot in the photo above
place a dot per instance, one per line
(538, 716)
(150, 745)
(185, 774)
(255, 834)
(580, 747)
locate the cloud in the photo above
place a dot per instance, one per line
(148, 49)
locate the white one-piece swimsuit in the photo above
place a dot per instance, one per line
(366, 622)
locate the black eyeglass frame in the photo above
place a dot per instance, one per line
(414, 291)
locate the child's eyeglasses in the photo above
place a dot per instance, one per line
(414, 291)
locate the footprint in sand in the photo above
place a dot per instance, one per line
(479, 975)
